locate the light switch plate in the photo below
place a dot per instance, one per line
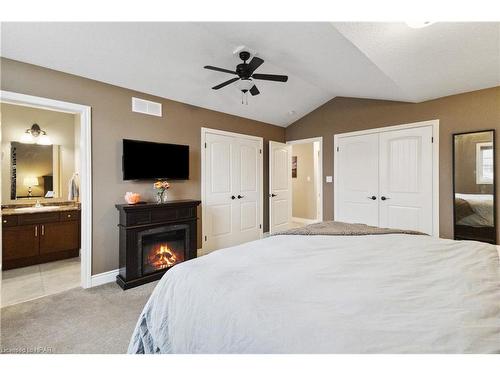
(329, 179)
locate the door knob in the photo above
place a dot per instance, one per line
(273, 195)
(384, 198)
(373, 197)
(240, 196)
(233, 197)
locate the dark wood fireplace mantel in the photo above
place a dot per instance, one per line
(173, 223)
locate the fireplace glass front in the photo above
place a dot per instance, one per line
(162, 250)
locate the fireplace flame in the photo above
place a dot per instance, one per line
(162, 257)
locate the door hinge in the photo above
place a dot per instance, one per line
(205, 238)
(338, 149)
(260, 151)
(260, 226)
(205, 144)
(432, 139)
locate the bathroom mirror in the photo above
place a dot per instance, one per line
(474, 186)
(34, 171)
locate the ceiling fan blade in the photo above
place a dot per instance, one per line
(225, 83)
(219, 69)
(271, 77)
(254, 90)
(255, 63)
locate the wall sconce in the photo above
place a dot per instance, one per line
(36, 135)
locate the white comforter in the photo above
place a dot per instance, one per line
(328, 294)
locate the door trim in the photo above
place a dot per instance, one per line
(85, 167)
(319, 171)
(204, 132)
(435, 163)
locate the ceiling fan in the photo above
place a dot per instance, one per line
(245, 72)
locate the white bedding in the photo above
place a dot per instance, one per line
(482, 205)
(328, 294)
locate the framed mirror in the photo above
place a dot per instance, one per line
(34, 172)
(474, 181)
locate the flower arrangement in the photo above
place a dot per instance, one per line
(161, 186)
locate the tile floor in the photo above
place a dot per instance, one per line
(27, 283)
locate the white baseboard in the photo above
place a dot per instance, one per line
(303, 220)
(104, 278)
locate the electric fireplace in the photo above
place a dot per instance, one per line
(154, 238)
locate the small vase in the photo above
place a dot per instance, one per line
(159, 197)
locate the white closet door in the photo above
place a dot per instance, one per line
(221, 210)
(232, 199)
(357, 179)
(249, 189)
(280, 186)
(406, 179)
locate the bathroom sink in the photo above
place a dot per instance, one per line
(37, 209)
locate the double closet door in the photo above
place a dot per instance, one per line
(386, 179)
(232, 189)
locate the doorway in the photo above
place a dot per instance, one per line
(295, 183)
(307, 187)
(52, 207)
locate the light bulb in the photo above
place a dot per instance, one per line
(27, 138)
(44, 139)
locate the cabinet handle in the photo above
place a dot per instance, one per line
(69, 215)
(5, 221)
(43, 230)
(36, 230)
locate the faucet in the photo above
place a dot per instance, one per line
(37, 204)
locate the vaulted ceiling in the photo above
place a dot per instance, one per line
(366, 60)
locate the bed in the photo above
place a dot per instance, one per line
(474, 210)
(474, 217)
(351, 293)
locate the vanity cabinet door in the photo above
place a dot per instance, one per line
(20, 242)
(60, 236)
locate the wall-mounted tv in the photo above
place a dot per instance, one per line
(150, 160)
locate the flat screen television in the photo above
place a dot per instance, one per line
(150, 160)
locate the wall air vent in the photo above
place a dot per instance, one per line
(147, 107)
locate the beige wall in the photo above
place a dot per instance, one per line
(303, 187)
(478, 110)
(112, 120)
(59, 127)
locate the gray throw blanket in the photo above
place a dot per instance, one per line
(338, 228)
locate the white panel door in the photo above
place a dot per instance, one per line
(280, 186)
(406, 179)
(357, 179)
(221, 176)
(232, 193)
(248, 187)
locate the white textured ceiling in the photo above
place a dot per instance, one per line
(323, 60)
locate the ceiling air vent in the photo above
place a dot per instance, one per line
(147, 107)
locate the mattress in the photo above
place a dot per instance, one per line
(391, 293)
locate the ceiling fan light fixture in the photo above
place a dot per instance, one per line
(245, 84)
(418, 24)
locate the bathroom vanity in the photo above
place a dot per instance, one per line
(38, 235)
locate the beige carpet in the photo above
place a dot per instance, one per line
(96, 320)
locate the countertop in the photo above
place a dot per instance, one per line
(32, 210)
